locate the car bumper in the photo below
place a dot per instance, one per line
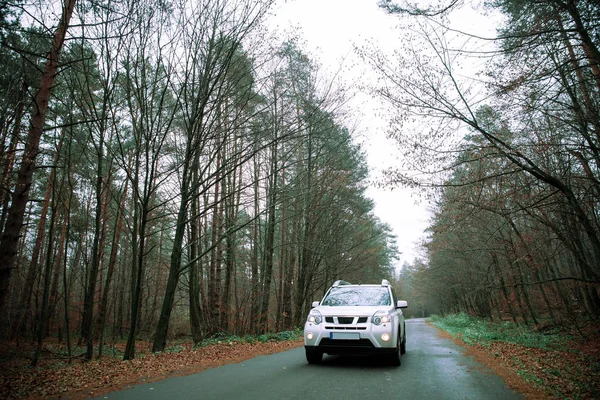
(339, 348)
(371, 339)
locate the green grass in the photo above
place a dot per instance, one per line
(530, 377)
(475, 330)
(223, 337)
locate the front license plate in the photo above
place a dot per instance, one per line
(344, 335)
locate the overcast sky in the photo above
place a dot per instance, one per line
(331, 29)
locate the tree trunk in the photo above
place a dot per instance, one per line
(9, 157)
(194, 290)
(254, 280)
(58, 261)
(87, 323)
(43, 315)
(269, 248)
(215, 267)
(34, 268)
(162, 327)
(101, 318)
(137, 286)
(504, 289)
(10, 237)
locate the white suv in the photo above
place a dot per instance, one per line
(353, 319)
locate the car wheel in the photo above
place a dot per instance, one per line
(403, 344)
(396, 358)
(313, 356)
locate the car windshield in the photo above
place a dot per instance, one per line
(357, 296)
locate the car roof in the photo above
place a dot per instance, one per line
(338, 283)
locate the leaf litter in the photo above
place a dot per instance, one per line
(55, 378)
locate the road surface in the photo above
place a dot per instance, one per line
(432, 368)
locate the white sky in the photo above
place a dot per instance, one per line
(331, 29)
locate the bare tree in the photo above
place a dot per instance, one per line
(210, 43)
(531, 118)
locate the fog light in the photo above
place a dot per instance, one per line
(309, 335)
(385, 337)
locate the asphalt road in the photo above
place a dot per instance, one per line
(432, 368)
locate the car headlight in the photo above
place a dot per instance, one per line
(380, 317)
(315, 317)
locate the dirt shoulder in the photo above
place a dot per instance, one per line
(80, 380)
(571, 372)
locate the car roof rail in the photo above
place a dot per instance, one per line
(340, 282)
(385, 282)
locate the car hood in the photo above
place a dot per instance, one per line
(366, 311)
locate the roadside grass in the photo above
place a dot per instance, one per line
(226, 338)
(561, 364)
(473, 330)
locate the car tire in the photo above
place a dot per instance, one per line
(403, 344)
(313, 356)
(396, 357)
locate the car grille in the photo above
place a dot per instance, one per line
(346, 320)
(342, 323)
(347, 328)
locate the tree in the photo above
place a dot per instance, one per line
(150, 65)
(20, 197)
(197, 175)
(532, 121)
(212, 42)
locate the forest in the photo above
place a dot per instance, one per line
(168, 171)
(172, 169)
(511, 154)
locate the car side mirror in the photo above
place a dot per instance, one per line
(402, 304)
(315, 304)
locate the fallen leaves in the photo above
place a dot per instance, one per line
(83, 379)
(569, 372)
